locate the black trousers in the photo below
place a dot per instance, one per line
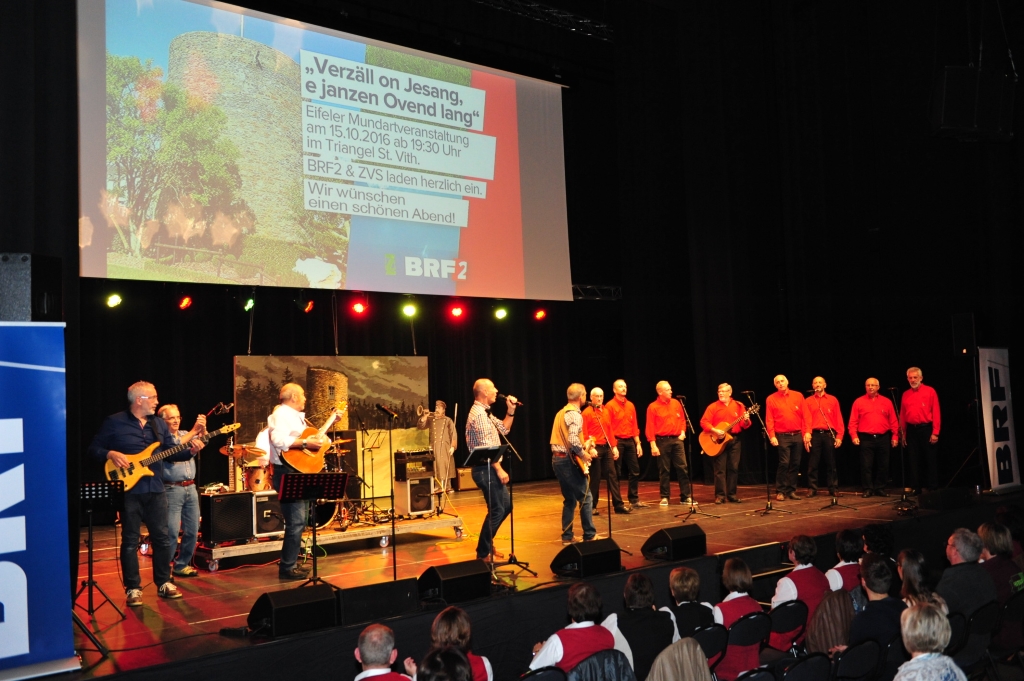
(918, 447)
(603, 467)
(822, 447)
(672, 455)
(789, 448)
(727, 469)
(630, 463)
(874, 449)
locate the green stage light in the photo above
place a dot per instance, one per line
(501, 313)
(249, 304)
(409, 310)
(113, 300)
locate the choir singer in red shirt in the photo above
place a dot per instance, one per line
(874, 429)
(823, 435)
(920, 421)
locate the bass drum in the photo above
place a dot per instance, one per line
(259, 478)
(325, 513)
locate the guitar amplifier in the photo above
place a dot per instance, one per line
(413, 464)
(225, 517)
(267, 518)
(414, 498)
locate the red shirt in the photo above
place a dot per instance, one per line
(664, 417)
(921, 406)
(622, 414)
(719, 412)
(786, 412)
(592, 422)
(873, 415)
(833, 416)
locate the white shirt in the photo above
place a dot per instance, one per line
(371, 672)
(785, 590)
(550, 653)
(719, 617)
(835, 580)
(675, 627)
(285, 426)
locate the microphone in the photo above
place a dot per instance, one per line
(746, 392)
(892, 389)
(225, 408)
(810, 392)
(517, 402)
(389, 412)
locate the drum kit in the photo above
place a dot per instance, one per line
(258, 474)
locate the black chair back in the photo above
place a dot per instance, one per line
(958, 633)
(713, 640)
(790, 616)
(1013, 609)
(814, 667)
(604, 665)
(544, 674)
(759, 674)
(856, 662)
(750, 629)
(891, 658)
(984, 620)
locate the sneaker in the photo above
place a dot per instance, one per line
(735, 499)
(595, 512)
(664, 501)
(622, 509)
(168, 590)
(296, 572)
(780, 497)
(639, 504)
(719, 500)
(687, 500)
(134, 597)
(187, 571)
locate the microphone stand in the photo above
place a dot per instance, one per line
(904, 505)
(767, 481)
(607, 483)
(512, 560)
(694, 506)
(834, 473)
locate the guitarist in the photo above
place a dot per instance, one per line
(285, 426)
(567, 453)
(727, 463)
(130, 432)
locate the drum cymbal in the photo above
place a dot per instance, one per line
(247, 453)
(341, 442)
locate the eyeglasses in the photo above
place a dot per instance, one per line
(148, 397)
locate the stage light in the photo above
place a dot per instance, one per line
(249, 304)
(185, 303)
(113, 300)
(307, 306)
(540, 314)
(500, 313)
(359, 308)
(409, 310)
(456, 311)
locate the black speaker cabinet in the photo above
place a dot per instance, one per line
(414, 497)
(225, 517)
(676, 543)
(281, 613)
(32, 287)
(588, 559)
(267, 519)
(456, 582)
(375, 602)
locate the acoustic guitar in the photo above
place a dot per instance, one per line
(714, 444)
(308, 460)
(581, 461)
(138, 464)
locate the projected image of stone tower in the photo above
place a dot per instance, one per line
(325, 389)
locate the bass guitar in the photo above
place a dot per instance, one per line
(713, 444)
(138, 464)
(307, 460)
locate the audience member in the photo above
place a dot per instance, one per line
(1012, 516)
(688, 614)
(830, 625)
(444, 664)
(737, 580)
(878, 539)
(925, 635)
(568, 647)
(966, 586)
(997, 557)
(915, 589)
(452, 628)
(846, 573)
(376, 653)
(684, 659)
(647, 631)
(804, 583)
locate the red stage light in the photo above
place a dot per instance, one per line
(185, 303)
(540, 314)
(308, 308)
(456, 311)
(359, 308)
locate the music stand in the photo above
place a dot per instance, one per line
(376, 441)
(107, 495)
(310, 487)
(487, 456)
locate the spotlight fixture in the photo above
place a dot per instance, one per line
(250, 303)
(185, 303)
(305, 305)
(540, 314)
(500, 313)
(113, 300)
(409, 310)
(359, 308)
(456, 311)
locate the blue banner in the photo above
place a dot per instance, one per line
(35, 604)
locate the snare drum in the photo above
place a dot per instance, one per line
(259, 478)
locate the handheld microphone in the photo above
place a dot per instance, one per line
(517, 402)
(389, 412)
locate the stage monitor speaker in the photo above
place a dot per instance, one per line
(375, 602)
(587, 559)
(281, 613)
(971, 104)
(32, 288)
(678, 542)
(946, 499)
(464, 480)
(456, 582)
(414, 497)
(267, 518)
(225, 517)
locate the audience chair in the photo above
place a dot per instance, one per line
(892, 656)
(713, 640)
(982, 622)
(814, 667)
(750, 630)
(605, 665)
(790, 617)
(958, 633)
(759, 674)
(544, 674)
(856, 662)
(1006, 652)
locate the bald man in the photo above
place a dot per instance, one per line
(727, 463)
(874, 429)
(785, 416)
(666, 430)
(823, 435)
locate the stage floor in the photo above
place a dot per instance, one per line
(162, 630)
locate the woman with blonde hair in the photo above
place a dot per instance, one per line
(926, 634)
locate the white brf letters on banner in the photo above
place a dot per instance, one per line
(997, 411)
(35, 603)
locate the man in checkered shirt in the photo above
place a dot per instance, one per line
(482, 430)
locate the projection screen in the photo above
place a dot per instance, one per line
(223, 145)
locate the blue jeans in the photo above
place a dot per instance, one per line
(498, 503)
(575, 490)
(183, 513)
(295, 514)
(150, 507)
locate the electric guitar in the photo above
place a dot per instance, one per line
(713, 444)
(308, 460)
(581, 461)
(138, 464)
